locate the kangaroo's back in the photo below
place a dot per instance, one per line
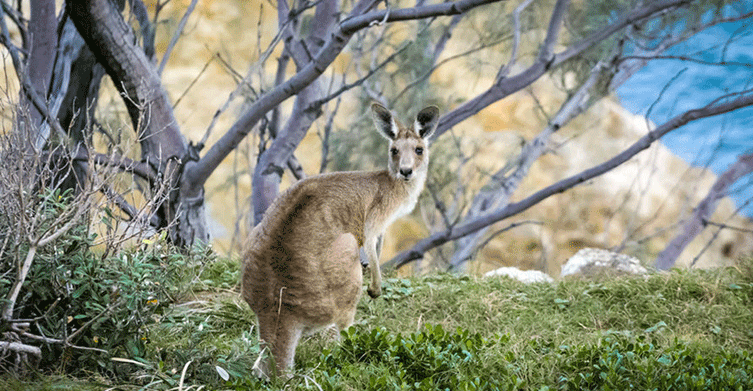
(289, 247)
(301, 268)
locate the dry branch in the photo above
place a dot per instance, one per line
(698, 220)
(21, 348)
(545, 62)
(501, 187)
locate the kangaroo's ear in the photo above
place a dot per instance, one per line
(383, 120)
(426, 122)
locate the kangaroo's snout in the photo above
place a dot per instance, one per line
(406, 173)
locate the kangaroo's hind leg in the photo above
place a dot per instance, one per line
(346, 280)
(279, 334)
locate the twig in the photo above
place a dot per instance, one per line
(443, 62)
(89, 323)
(38, 318)
(346, 87)
(176, 36)
(688, 59)
(183, 375)
(21, 348)
(325, 139)
(515, 42)
(662, 92)
(726, 226)
(193, 82)
(505, 229)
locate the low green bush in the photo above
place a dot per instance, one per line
(91, 309)
(432, 359)
(620, 364)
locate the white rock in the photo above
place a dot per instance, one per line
(590, 260)
(525, 276)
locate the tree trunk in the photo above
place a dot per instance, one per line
(42, 43)
(162, 145)
(73, 94)
(41, 49)
(268, 172)
(75, 85)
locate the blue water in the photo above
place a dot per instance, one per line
(667, 88)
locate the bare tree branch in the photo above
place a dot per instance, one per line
(546, 54)
(123, 163)
(698, 220)
(176, 36)
(505, 70)
(139, 10)
(726, 226)
(690, 59)
(21, 348)
(501, 186)
(544, 63)
(325, 137)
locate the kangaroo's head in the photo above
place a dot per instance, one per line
(409, 146)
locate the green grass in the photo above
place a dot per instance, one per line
(678, 330)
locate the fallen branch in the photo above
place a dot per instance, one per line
(19, 347)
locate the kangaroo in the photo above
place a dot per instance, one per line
(301, 269)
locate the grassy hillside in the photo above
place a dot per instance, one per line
(680, 330)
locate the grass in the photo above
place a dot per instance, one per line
(608, 333)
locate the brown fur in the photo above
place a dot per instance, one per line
(301, 267)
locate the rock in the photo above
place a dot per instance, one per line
(590, 261)
(524, 276)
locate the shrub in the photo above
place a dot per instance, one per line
(93, 309)
(619, 364)
(432, 359)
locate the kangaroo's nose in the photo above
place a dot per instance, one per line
(406, 172)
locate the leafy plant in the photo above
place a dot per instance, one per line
(86, 308)
(109, 303)
(427, 360)
(616, 363)
(397, 288)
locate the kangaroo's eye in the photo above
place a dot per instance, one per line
(394, 151)
(419, 151)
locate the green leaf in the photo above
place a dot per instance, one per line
(661, 324)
